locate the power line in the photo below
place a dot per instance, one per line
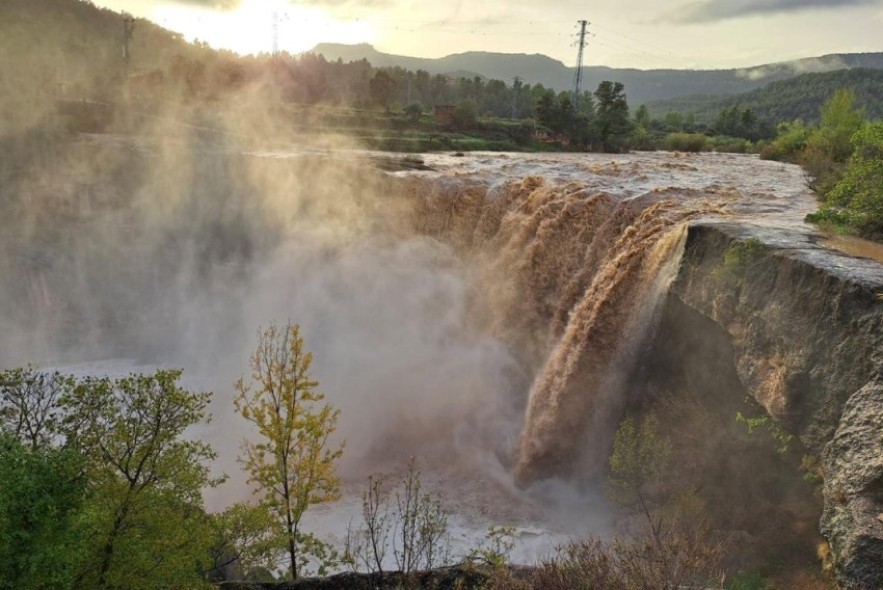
(578, 75)
(634, 51)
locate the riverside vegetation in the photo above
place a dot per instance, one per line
(843, 159)
(104, 490)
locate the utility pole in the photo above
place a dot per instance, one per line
(275, 34)
(128, 29)
(578, 76)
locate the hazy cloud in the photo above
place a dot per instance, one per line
(332, 4)
(800, 66)
(216, 4)
(713, 10)
(350, 3)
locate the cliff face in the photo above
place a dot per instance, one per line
(806, 327)
(756, 308)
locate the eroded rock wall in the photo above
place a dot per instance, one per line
(807, 334)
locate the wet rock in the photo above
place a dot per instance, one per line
(854, 486)
(806, 326)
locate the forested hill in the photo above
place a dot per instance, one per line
(786, 100)
(50, 48)
(641, 85)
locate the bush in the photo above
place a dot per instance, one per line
(742, 255)
(679, 562)
(732, 145)
(816, 158)
(860, 191)
(772, 151)
(466, 113)
(788, 144)
(749, 581)
(414, 111)
(687, 142)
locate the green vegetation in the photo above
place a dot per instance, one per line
(687, 142)
(749, 581)
(496, 548)
(741, 255)
(799, 97)
(612, 122)
(104, 491)
(859, 193)
(782, 439)
(41, 498)
(292, 466)
(101, 489)
(303, 98)
(842, 157)
(637, 462)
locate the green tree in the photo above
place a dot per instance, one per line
(41, 500)
(146, 524)
(248, 540)
(637, 464)
(466, 113)
(547, 110)
(612, 115)
(674, 121)
(383, 89)
(829, 147)
(860, 191)
(642, 116)
(414, 111)
(790, 141)
(29, 404)
(580, 131)
(292, 464)
(840, 120)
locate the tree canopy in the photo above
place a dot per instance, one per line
(292, 464)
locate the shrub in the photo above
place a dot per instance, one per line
(772, 151)
(732, 145)
(823, 170)
(410, 523)
(414, 111)
(860, 191)
(788, 144)
(741, 255)
(679, 562)
(466, 113)
(749, 581)
(687, 142)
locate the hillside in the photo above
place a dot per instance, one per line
(786, 100)
(80, 54)
(641, 85)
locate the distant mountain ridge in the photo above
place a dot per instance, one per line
(641, 86)
(800, 97)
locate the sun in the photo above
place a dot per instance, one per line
(252, 26)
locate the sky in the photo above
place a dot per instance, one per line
(645, 34)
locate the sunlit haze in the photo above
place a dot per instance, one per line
(249, 28)
(643, 34)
